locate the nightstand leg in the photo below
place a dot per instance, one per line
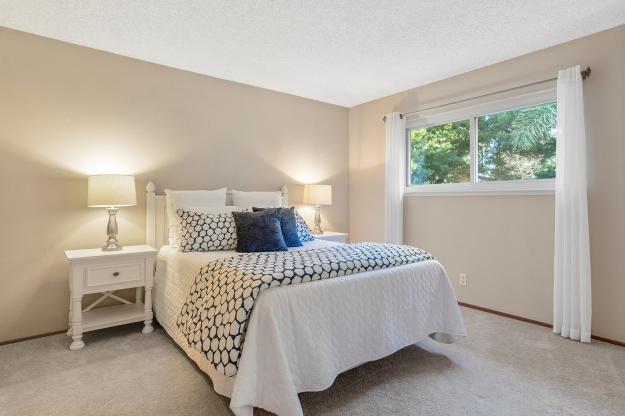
(69, 330)
(148, 311)
(76, 328)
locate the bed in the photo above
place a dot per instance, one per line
(301, 336)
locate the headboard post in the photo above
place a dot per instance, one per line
(285, 196)
(150, 214)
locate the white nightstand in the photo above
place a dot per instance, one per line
(332, 236)
(97, 271)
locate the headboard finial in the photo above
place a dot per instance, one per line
(150, 187)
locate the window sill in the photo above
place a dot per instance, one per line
(536, 187)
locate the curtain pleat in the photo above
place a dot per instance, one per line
(395, 178)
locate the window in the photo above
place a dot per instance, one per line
(440, 154)
(518, 144)
(506, 146)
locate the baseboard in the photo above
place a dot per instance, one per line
(608, 340)
(506, 315)
(532, 321)
(13, 341)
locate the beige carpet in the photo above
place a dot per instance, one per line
(504, 367)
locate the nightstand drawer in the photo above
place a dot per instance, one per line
(107, 275)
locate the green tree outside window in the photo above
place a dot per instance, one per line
(512, 145)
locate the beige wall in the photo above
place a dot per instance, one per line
(68, 111)
(505, 244)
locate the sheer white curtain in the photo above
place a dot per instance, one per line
(572, 292)
(395, 178)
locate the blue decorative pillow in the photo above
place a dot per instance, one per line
(288, 224)
(303, 231)
(259, 231)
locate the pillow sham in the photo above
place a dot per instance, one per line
(303, 231)
(190, 199)
(258, 231)
(200, 210)
(288, 223)
(257, 199)
(199, 231)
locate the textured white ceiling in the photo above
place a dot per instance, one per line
(341, 52)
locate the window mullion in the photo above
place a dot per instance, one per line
(408, 159)
(473, 148)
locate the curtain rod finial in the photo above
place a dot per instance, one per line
(586, 72)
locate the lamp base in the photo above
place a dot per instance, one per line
(112, 247)
(317, 229)
(111, 230)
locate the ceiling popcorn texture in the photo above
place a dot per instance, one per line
(340, 52)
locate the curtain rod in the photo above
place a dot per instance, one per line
(585, 74)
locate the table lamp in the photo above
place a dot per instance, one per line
(318, 195)
(111, 192)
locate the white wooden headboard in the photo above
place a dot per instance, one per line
(156, 227)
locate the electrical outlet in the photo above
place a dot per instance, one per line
(463, 279)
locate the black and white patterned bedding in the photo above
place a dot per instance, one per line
(214, 316)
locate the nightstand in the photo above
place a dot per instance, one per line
(332, 236)
(97, 271)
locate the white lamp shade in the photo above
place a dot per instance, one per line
(318, 194)
(111, 191)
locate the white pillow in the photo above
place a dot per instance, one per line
(190, 199)
(210, 210)
(257, 199)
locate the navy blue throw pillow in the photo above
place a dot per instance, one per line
(288, 222)
(258, 231)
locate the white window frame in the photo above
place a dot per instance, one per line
(496, 103)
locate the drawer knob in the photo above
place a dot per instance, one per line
(116, 274)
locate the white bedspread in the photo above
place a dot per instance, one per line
(300, 337)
